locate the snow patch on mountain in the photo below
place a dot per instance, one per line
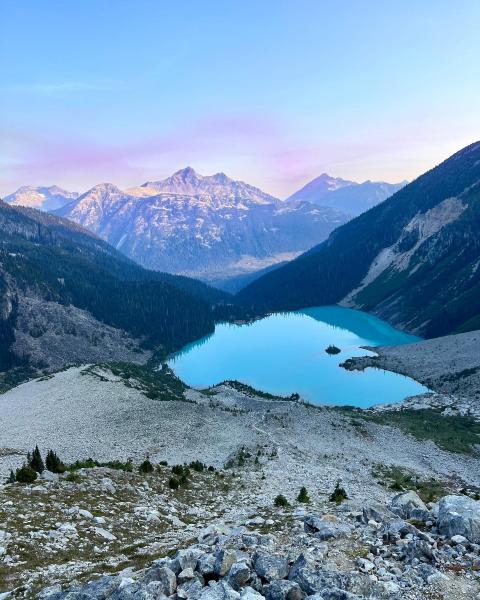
(42, 198)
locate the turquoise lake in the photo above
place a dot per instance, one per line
(285, 353)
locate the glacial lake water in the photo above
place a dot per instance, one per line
(285, 353)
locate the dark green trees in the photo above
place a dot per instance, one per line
(53, 463)
(35, 460)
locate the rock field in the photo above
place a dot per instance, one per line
(220, 534)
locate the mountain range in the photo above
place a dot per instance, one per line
(210, 227)
(348, 196)
(413, 259)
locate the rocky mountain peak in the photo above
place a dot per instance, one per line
(41, 197)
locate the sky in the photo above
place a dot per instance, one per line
(268, 91)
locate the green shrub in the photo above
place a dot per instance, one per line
(73, 477)
(146, 467)
(281, 501)
(26, 474)
(339, 494)
(303, 495)
(181, 471)
(173, 483)
(197, 466)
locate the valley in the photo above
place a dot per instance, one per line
(177, 449)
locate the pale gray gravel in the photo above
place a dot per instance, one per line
(80, 415)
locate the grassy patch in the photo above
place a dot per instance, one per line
(452, 432)
(13, 377)
(248, 390)
(401, 480)
(156, 384)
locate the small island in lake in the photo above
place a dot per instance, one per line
(332, 349)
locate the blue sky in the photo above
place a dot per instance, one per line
(271, 92)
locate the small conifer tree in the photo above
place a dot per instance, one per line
(339, 494)
(11, 477)
(36, 461)
(53, 463)
(303, 495)
(281, 501)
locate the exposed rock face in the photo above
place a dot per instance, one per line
(209, 227)
(459, 515)
(53, 335)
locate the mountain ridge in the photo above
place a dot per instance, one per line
(348, 196)
(207, 227)
(438, 292)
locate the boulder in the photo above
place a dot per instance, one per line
(163, 575)
(103, 533)
(459, 515)
(238, 575)
(219, 591)
(282, 589)
(103, 587)
(206, 565)
(313, 580)
(378, 513)
(409, 505)
(185, 559)
(223, 561)
(249, 593)
(325, 528)
(190, 590)
(49, 476)
(270, 566)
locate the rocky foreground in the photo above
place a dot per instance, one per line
(406, 550)
(106, 530)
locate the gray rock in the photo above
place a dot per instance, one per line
(239, 575)
(459, 515)
(420, 550)
(224, 560)
(248, 593)
(409, 505)
(102, 588)
(397, 529)
(377, 512)
(458, 539)
(269, 566)
(324, 529)
(190, 589)
(313, 580)
(49, 476)
(51, 593)
(186, 575)
(163, 575)
(185, 559)
(219, 591)
(206, 565)
(338, 594)
(282, 589)
(137, 591)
